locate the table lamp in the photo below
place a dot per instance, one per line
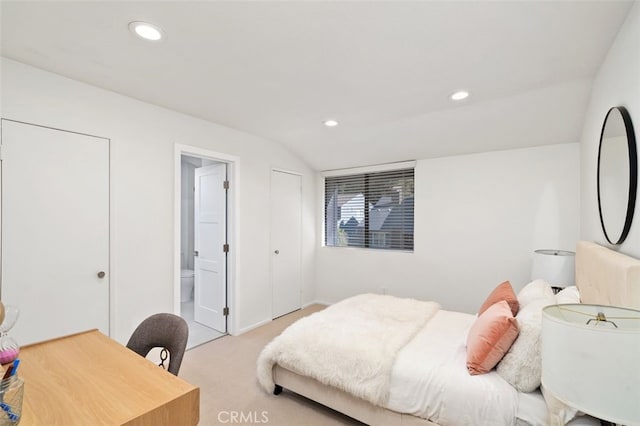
(591, 359)
(557, 267)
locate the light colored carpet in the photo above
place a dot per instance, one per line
(225, 371)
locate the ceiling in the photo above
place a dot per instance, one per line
(384, 70)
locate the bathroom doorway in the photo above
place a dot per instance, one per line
(203, 246)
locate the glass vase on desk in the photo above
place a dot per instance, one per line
(11, 396)
(9, 348)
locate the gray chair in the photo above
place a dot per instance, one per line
(161, 331)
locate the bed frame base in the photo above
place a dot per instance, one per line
(343, 402)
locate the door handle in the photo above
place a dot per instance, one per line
(101, 274)
(277, 252)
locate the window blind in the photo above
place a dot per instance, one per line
(370, 210)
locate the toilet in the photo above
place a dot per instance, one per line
(186, 285)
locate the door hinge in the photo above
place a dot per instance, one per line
(226, 184)
(196, 253)
(225, 311)
(225, 248)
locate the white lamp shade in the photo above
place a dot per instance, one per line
(594, 368)
(557, 267)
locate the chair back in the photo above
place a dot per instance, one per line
(164, 331)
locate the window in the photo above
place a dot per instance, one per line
(371, 210)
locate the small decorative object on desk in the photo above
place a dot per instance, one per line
(11, 396)
(9, 348)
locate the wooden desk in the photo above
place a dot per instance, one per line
(90, 379)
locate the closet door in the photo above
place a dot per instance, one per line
(286, 242)
(55, 230)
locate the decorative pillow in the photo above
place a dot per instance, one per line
(537, 289)
(503, 291)
(521, 366)
(490, 337)
(568, 295)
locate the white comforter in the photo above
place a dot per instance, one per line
(429, 379)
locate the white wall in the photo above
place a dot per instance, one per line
(187, 229)
(617, 83)
(186, 215)
(142, 183)
(478, 219)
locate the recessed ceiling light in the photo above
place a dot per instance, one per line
(331, 123)
(146, 30)
(459, 95)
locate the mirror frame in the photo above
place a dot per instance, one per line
(633, 174)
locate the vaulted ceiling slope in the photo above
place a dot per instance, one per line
(384, 70)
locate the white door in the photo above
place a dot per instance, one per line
(210, 229)
(286, 242)
(55, 230)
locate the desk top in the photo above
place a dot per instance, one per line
(90, 379)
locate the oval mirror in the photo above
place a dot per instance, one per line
(617, 175)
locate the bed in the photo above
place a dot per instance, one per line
(416, 379)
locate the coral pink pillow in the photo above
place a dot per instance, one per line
(490, 337)
(503, 291)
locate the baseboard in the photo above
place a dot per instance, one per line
(251, 327)
(267, 321)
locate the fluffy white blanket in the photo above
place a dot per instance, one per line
(350, 345)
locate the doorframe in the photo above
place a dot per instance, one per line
(299, 174)
(233, 172)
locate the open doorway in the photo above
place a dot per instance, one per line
(203, 244)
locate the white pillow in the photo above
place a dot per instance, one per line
(521, 366)
(568, 295)
(537, 289)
